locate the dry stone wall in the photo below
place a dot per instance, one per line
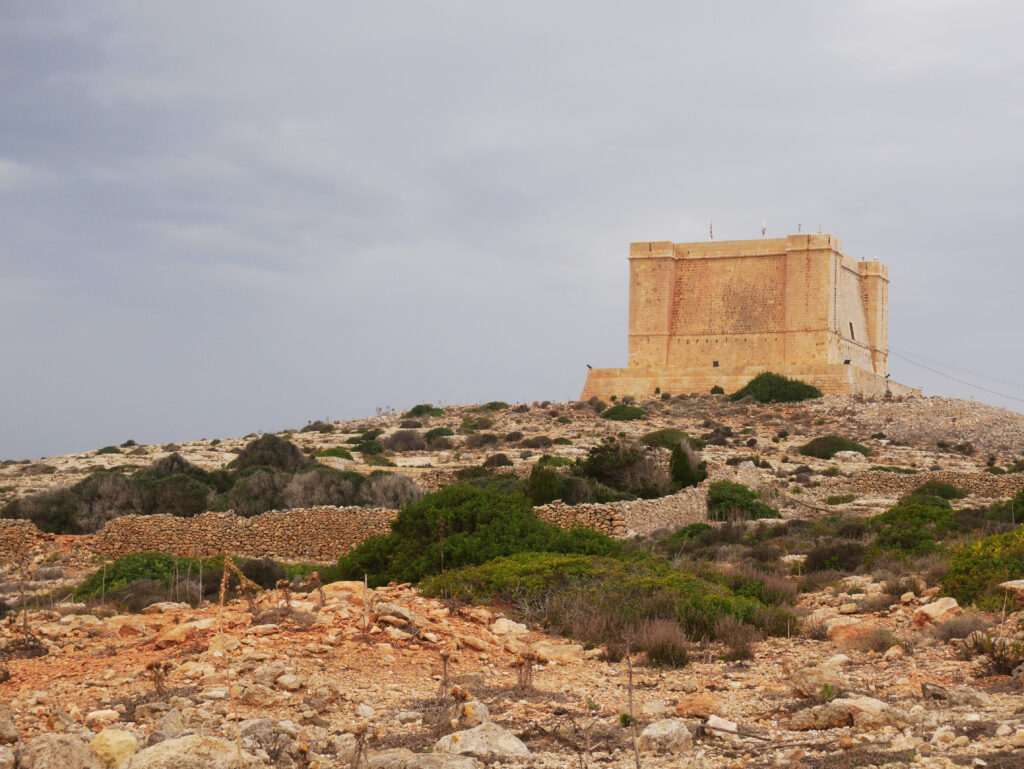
(623, 519)
(319, 534)
(18, 538)
(323, 534)
(881, 483)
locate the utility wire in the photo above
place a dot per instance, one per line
(955, 379)
(957, 368)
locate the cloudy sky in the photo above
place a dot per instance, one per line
(218, 218)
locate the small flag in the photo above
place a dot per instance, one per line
(763, 228)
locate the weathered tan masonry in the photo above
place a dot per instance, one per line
(719, 313)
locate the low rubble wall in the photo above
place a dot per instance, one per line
(314, 534)
(984, 485)
(323, 534)
(18, 538)
(641, 516)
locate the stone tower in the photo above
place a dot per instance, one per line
(719, 313)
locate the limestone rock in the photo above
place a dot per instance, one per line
(171, 724)
(429, 761)
(115, 746)
(669, 735)
(651, 709)
(472, 714)
(384, 609)
(289, 682)
(488, 742)
(59, 751)
(827, 716)
(937, 611)
(469, 680)
(848, 632)
(504, 626)
(6, 758)
(259, 695)
(721, 727)
(8, 730)
(193, 752)
(175, 634)
(696, 705)
(1015, 586)
(811, 681)
(963, 695)
(396, 758)
(548, 651)
(165, 606)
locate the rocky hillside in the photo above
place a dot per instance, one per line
(880, 665)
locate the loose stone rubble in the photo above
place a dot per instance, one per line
(390, 678)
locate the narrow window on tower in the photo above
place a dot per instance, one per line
(851, 331)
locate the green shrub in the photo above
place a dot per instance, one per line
(689, 532)
(496, 406)
(561, 442)
(438, 432)
(423, 410)
(837, 556)
(369, 447)
(334, 451)
(626, 466)
(377, 460)
(319, 426)
(321, 486)
(717, 390)
(544, 485)
(669, 438)
(685, 467)
(390, 490)
(497, 460)
(1010, 511)
(893, 469)
(255, 491)
(469, 526)
(563, 420)
(827, 446)
(109, 450)
(274, 452)
(549, 461)
(775, 388)
(913, 527)
(976, 569)
(170, 485)
(624, 413)
(404, 440)
(536, 442)
(599, 599)
(934, 488)
(158, 567)
(727, 500)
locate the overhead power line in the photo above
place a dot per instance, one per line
(955, 379)
(956, 368)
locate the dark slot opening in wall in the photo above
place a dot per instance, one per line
(851, 330)
(714, 363)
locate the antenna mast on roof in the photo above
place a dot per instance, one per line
(763, 227)
(711, 230)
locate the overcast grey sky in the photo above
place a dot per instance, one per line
(217, 218)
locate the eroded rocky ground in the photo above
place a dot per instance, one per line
(388, 678)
